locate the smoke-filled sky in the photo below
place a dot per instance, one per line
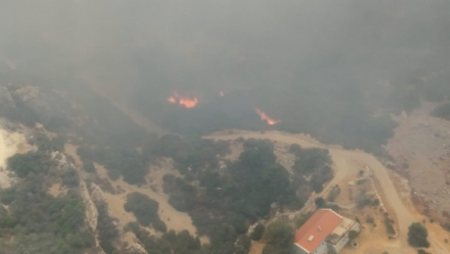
(223, 42)
(144, 50)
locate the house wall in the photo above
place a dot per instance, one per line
(344, 240)
(321, 249)
(299, 250)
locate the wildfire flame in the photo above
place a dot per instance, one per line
(221, 93)
(187, 102)
(265, 117)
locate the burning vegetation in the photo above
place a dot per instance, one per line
(185, 101)
(265, 117)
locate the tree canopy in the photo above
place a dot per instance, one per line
(417, 235)
(145, 209)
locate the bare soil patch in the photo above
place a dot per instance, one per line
(175, 220)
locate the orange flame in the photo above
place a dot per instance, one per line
(265, 117)
(221, 93)
(187, 102)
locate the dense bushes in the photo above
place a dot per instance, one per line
(313, 163)
(279, 237)
(309, 160)
(119, 161)
(260, 180)
(190, 154)
(223, 203)
(182, 194)
(42, 223)
(23, 164)
(39, 161)
(47, 144)
(170, 242)
(106, 228)
(145, 210)
(70, 178)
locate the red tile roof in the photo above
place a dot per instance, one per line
(317, 229)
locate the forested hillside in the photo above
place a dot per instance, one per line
(32, 220)
(79, 78)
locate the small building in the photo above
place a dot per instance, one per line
(325, 232)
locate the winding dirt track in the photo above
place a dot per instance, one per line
(402, 215)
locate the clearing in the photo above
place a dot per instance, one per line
(116, 192)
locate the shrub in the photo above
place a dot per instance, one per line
(370, 220)
(23, 164)
(107, 231)
(417, 235)
(320, 202)
(70, 178)
(389, 225)
(88, 166)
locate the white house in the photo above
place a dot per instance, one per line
(325, 232)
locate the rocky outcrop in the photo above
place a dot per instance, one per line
(135, 247)
(97, 193)
(61, 159)
(91, 212)
(90, 208)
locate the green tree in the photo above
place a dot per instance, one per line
(23, 164)
(320, 202)
(417, 235)
(279, 234)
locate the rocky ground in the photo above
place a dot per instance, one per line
(420, 150)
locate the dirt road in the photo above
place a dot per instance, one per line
(391, 198)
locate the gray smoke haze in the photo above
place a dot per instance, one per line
(223, 43)
(141, 51)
